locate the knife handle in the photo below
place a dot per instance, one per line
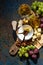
(14, 25)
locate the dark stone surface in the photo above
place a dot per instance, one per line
(8, 12)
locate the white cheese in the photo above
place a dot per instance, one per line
(38, 35)
(33, 40)
(34, 37)
(39, 30)
(35, 32)
(20, 30)
(20, 36)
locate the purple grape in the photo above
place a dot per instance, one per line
(41, 20)
(30, 52)
(36, 51)
(41, 25)
(34, 56)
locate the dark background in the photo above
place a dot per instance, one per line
(8, 12)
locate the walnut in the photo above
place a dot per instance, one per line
(23, 44)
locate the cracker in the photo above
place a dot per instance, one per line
(41, 40)
(37, 44)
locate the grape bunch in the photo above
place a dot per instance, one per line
(34, 53)
(37, 7)
(26, 51)
(23, 51)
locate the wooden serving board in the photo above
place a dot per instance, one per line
(13, 50)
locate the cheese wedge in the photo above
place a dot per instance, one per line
(20, 30)
(20, 36)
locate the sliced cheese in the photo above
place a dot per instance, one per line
(39, 30)
(35, 32)
(38, 35)
(29, 35)
(20, 36)
(34, 37)
(20, 30)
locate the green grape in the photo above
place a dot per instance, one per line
(20, 49)
(29, 47)
(37, 7)
(38, 12)
(18, 52)
(26, 55)
(35, 3)
(23, 48)
(38, 3)
(32, 47)
(25, 51)
(34, 7)
(20, 55)
(26, 48)
(41, 3)
(22, 52)
(42, 10)
(41, 7)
